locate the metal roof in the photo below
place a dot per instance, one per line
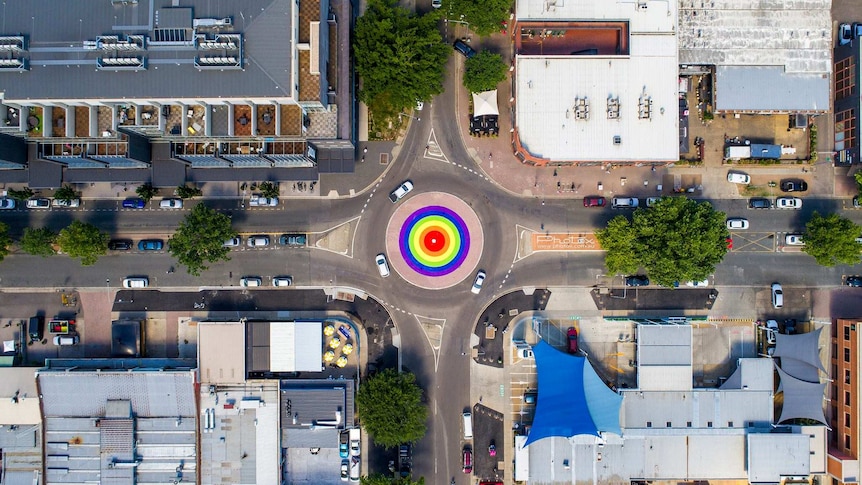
(299, 344)
(770, 88)
(664, 357)
(703, 408)
(304, 403)
(772, 456)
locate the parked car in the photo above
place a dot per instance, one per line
(477, 283)
(790, 326)
(530, 397)
(382, 265)
(120, 244)
(651, 201)
(698, 284)
(257, 200)
(794, 186)
(468, 460)
(759, 203)
(342, 449)
(282, 281)
(258, 241)
(171, 203)
(345, 470)
(66, 339)
(794, 240)
(464, 49)
(136, 282)
(738, 178)
(737, 223)
(67, 203)
(135, 203)
(401, 191)
(525, 353)
(250, 281)
(770, 331)
(854, 281)
(233, 242)
(788, 203)
(41, 203)
(150, 245)
(637, 280)
(572, 340)
(292, 240)
(594, 201)
(777, 296)
(436, 3)
(7, 203)
(845, 34)
(624, 203)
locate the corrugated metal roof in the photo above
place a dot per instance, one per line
(703, 408)
(656, 16)
(764, 88)
(664, 357)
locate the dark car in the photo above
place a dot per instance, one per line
(794, 186)
(594, 201)
(150, 245)
(464, 49)
(134, 203)
(572, 340)
(854, 281)
(293, 240)
(530, 397)
(759, 203)
(120, 245)
(856, 203)
(637, 280)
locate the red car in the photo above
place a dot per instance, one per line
(468, 461)
(572, 341)
(594, 201)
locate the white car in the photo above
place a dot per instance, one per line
(419, 105)
(477, 284)
(737, 223)
(777, 296)
(171, 204)
(282, 281)
(38, 203)
(794, 240)
(233, 242)
(382, 265)
(136, 282)
(651, 201)
(738, 178)
(788, 203)
(698, 284)
(401, 191)
(436, 3)
(259, 201)
(251, 281)
(6, 203)
(66, 203)
(259, 241)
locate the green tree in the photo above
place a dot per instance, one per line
(5, 241)
(83, 240)
(485, 17)
(200, 239)
(38, 242)
(269, 190)
(618, 240)
(400, 57)
(831, 240)
(380, 479)
(66, 192)
(391, 409)
(484, 71)
(22, 194)
(147, 191)
(187, 192)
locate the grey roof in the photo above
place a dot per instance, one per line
(752, 374)
(803, 347)
(802, 400)
(334, 156)
(772, 456)
(770, 88)
(664, 357)
(305, 403)
(61, 68)
(309, 438)
(703, 408)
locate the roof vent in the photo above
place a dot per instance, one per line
(618, 140)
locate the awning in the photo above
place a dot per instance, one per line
(801, 399)
(485, 103)
(804, 347)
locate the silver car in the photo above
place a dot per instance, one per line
(788, 203)
(258, 241)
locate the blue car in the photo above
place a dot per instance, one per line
(150, 245)
(134, 204)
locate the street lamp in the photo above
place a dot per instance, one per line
(411, 116)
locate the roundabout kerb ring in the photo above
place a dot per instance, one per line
(434, 240)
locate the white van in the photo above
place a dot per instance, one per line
(136, 282)
(65, 340)
(468, 425)
(624, 203)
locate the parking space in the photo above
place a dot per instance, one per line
(489, 464)
(649, 299)
(744, 241)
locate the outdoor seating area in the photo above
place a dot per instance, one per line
(486, 125)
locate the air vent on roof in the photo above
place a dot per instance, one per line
(618, 140)
(20, 64)
(122, 63)
(211, 23)
(124, 2)
(613, 108)
(582, 108)
(218, 62)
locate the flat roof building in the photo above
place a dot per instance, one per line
(20, 427)
(845, 437)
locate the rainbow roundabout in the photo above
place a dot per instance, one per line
(434, 240)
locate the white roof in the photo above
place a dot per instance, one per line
(485, 103)
(664, 357)
(658, 16)
(775, 455)
(296, 346)
(703, 408)
(23, 381)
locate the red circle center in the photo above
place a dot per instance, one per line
(434, 241)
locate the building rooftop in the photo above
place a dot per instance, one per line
(664, 357)
(221, 352)
(299, 344)
(19, 403)
(316, 404)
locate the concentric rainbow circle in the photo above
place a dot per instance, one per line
(434, 241)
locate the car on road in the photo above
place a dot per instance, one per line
(136, 282)
(292, 240)
(477, 283)
(572, 340)
(382, 265)
(401, 191)
(794, 186)
(624, 203)
(136, 203)
(120, 244)
(738, 178)
(854, 281)
(637, 280)
(419, 105)
(171, 203)
(467, 458)
(794, 240)
(257, 200)
(41, 203)
(250, 281)
(594, 201)
(759, 203)
(233, 242)
(282, 281)
(777, 295)
(845, 34)
(7, 203)
(66, 202)
(788, 203)
(258, 241)
(150, 245)
(345, 470)
(737, 223)
(464, 49)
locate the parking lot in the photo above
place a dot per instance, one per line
(488, 429)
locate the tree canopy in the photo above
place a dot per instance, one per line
(83, 240)
(5, 240)
(484, 16)
(200, 239)
(484, 71)
(678, 239)
(187, 192)
(391, 409)
(147, 191)
(380, 479)
(400, 57)
(831, 240)
(38, 242)
(66, 192)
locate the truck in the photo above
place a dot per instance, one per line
(754, 150)
(60, 327)
(355, 448)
